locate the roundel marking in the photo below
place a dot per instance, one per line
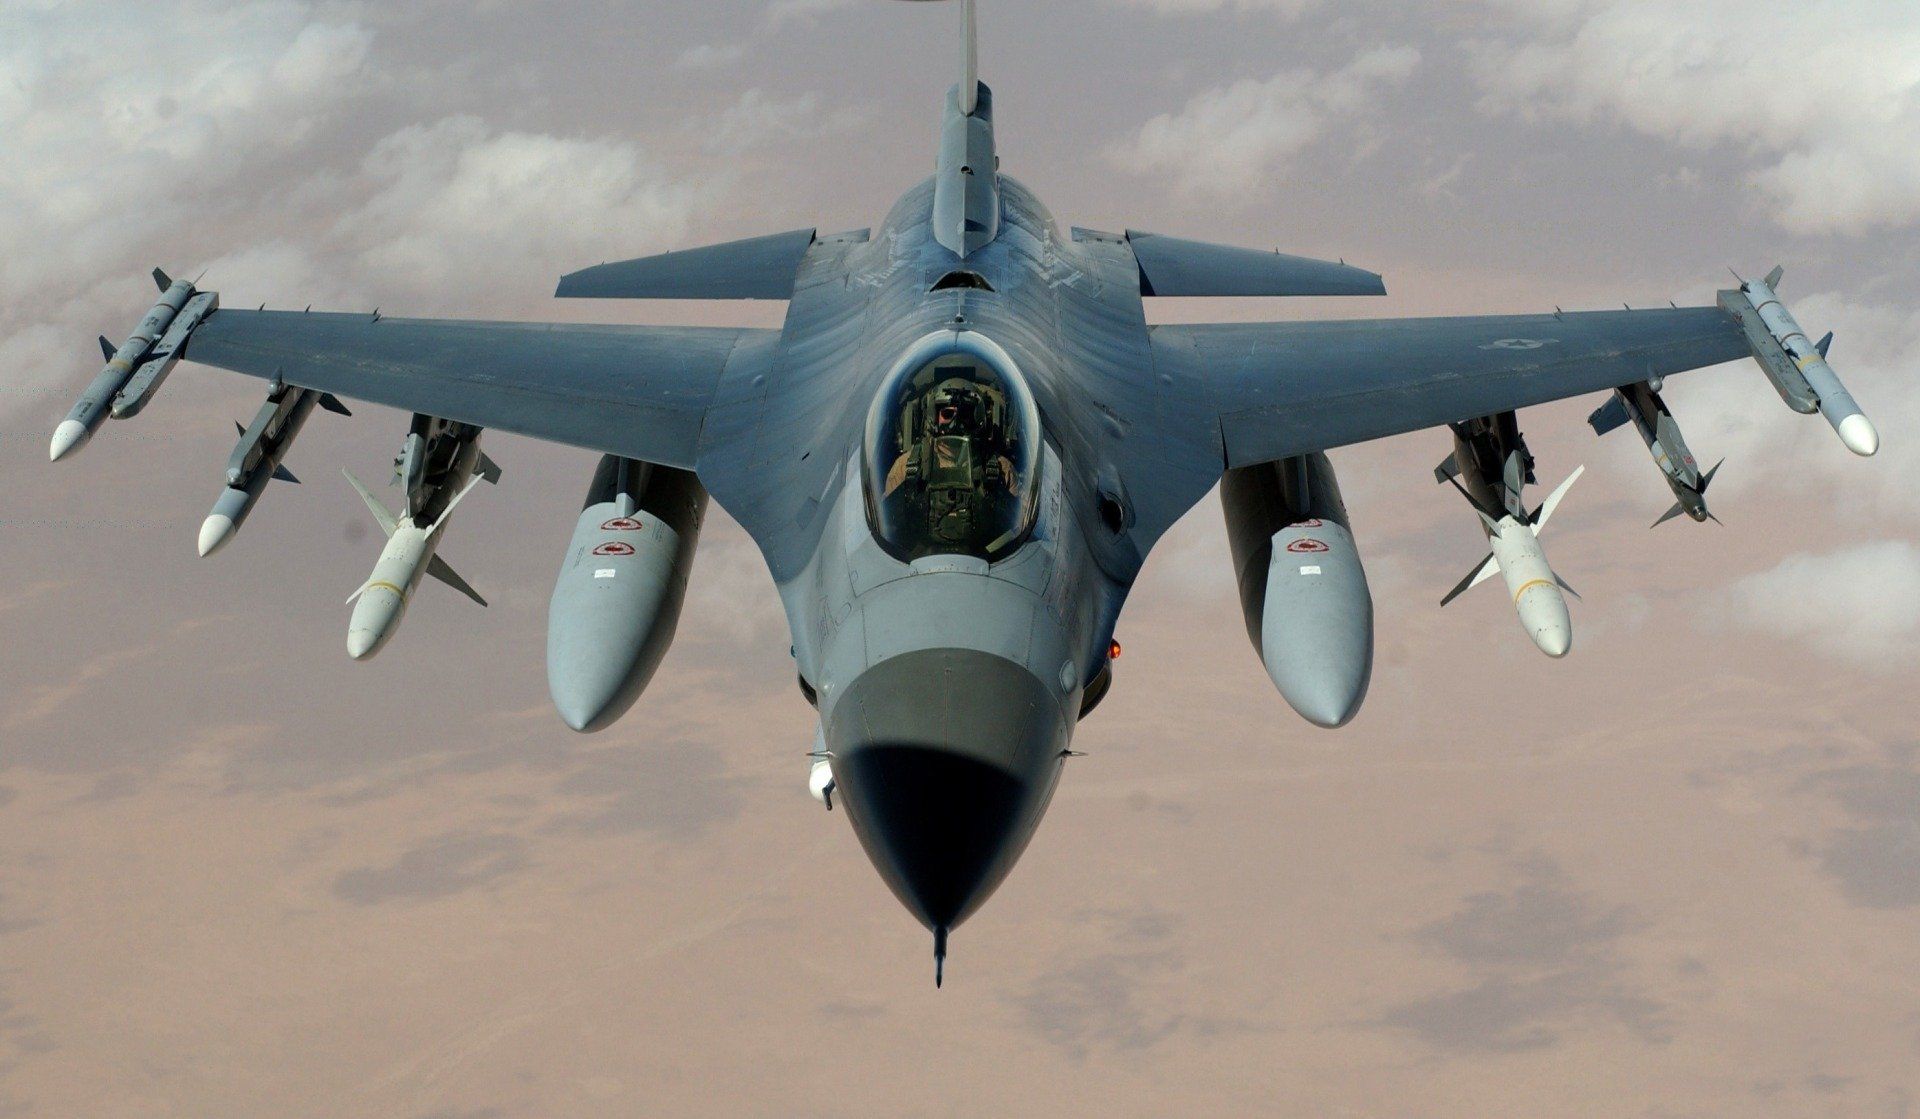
(1307, 544)
(614, 549)
(622, 524)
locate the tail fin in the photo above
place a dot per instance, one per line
(1552, 502)
(374, 505)
(969, 60)
(966, 190)
(1486, 569)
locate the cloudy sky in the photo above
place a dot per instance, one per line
(1677, 874)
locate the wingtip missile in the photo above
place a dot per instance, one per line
(67, 438)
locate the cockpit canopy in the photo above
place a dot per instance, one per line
(952, 453)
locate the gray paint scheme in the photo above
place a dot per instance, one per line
(756, 268)
(951, 683)
(1172, 266)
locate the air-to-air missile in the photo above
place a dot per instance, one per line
(256, 459)
(1797, 366)
(1490, 465)
(617, 600)
(135, 370)
(441, 463)
(1641, 405)
(1302, 588)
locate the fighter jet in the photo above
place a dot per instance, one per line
(955, 456)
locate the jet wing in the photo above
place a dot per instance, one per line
(637, 391)
(1284, 389)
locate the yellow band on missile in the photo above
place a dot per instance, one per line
(382, 584)
(119, 363)
(1529, 585)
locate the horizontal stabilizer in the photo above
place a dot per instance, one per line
(1608, 416)
(1171, 266)
(757, 268)
(438, 568)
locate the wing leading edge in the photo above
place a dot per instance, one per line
(1288, 388)
(637, 391)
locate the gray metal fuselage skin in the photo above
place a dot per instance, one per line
(948, 687)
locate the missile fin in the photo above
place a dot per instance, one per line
(1669, 515)
(1540, 515)
(1824, 344)
(1487, 569)
(162, 280)
(461, 496)
(332, 404)
(1566, 586)
(285, 475)
(1608, 416)
(1773, 277)
(106, 347)
(438, 568)
(1448, 468)
(489, 469)
(1707, 480)
(380, 512)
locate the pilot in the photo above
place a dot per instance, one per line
(957, 435)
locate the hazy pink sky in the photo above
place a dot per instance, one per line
(1676, 874)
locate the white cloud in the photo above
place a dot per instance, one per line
(1824, 96)
(109, 153)
(1861, 604)
(709, 56)
(1289, 9)
(780, 12)
(759, 118)
(1232, 138)
(458, 206)
(253, 147)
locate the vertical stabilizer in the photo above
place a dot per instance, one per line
(966, 190)
(969, 60)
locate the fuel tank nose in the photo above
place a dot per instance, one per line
(945, 760)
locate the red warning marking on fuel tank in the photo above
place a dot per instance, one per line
(622, 524)
(614, 549)
(1307, 544)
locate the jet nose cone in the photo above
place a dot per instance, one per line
(945, 760)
